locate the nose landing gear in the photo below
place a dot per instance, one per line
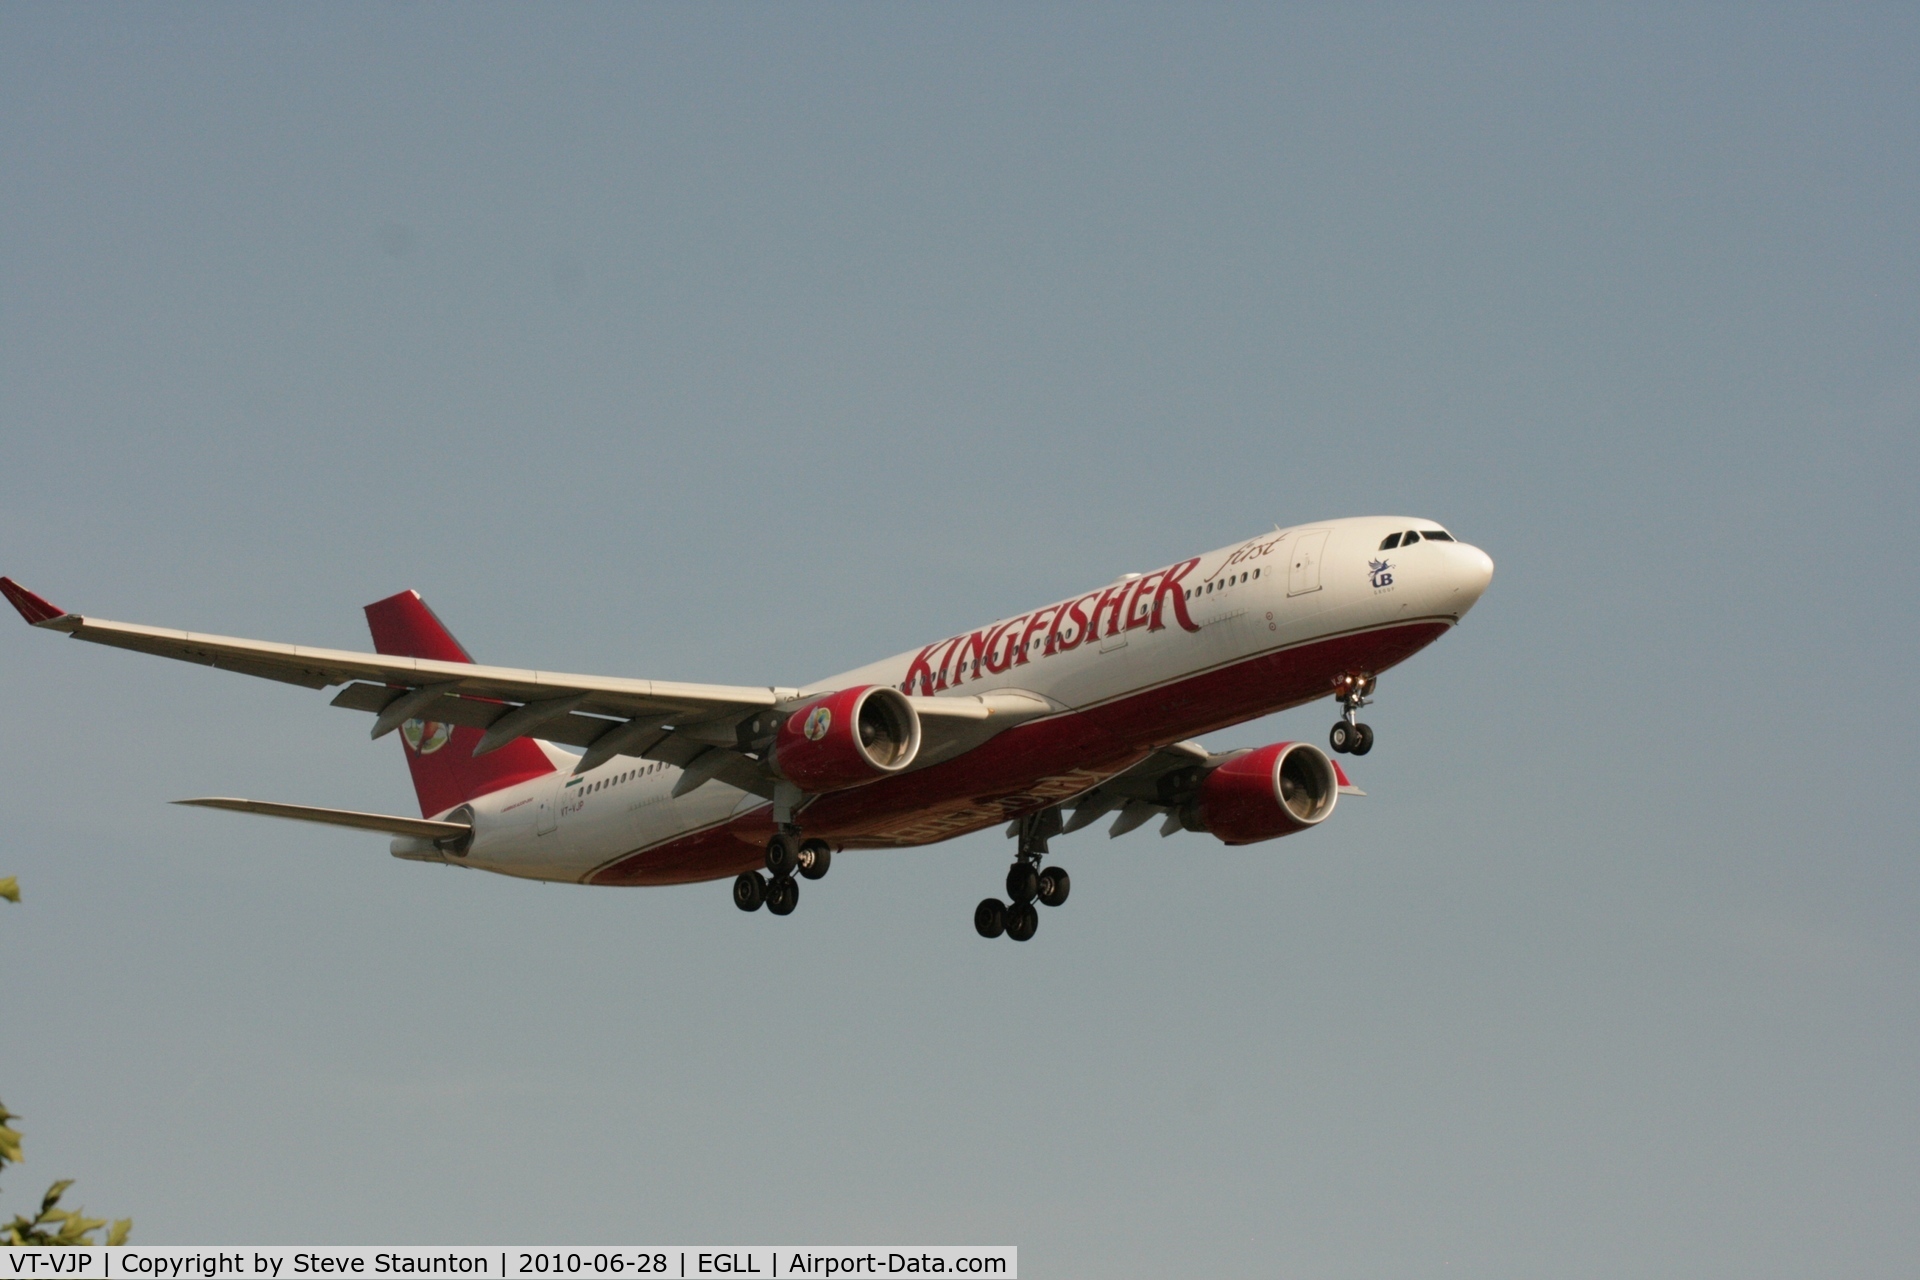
(1349, 736)
(1027, 883)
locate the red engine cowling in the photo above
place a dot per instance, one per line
(844, 739)
(1274, 791)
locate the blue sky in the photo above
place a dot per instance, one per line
(749, 344)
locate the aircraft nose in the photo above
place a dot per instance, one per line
(1473, 570)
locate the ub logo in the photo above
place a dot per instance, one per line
(1381, 571)
(426, 736)
(818, 723)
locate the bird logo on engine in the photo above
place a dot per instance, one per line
(426, 736)
(818, 722)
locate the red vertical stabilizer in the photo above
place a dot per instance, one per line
(445, 770)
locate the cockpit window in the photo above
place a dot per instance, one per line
(1391, 541)
(1410, 539)
(1437, 535)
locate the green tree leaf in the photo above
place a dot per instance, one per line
(9, 1138)
(52, 1225)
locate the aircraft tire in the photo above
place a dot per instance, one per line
(1023, 882)
(1341, 739)
(783, 895)
(783, 852)
(1055, 885)
(1363, 740)
(749, 891)
(1023, 921)
(815, 857)
(990, 918)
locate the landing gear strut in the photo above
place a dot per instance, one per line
(1027, 882)
(778, 890)
(1349, 736)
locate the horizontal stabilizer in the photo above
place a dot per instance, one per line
(422, 828)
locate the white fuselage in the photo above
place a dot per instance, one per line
(1150, 671)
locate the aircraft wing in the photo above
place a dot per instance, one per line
(694, 726)
(508, 702)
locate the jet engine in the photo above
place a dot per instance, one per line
(847, 738)
(1273, 791)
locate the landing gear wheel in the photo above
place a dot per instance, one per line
(1342, 738)
(783, 895)
(990, 918)
(1362, 740)
(1023, 882)
(1055, 884)
(1023, 919)
(749, 891)
(815, 857)
(783, 853)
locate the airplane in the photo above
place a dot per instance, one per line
(1090, 703)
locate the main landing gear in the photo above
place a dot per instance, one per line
(1026, 883)
(1349, 736)
(787, 853)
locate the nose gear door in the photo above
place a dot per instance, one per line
(1304, 576)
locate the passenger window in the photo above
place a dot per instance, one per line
(1410, 539)
(1256, 573)
(1389, 542)
(1438, 535)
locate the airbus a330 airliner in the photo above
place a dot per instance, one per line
(1088, 703)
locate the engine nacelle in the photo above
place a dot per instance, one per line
(1274, 791)
(844, 739)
